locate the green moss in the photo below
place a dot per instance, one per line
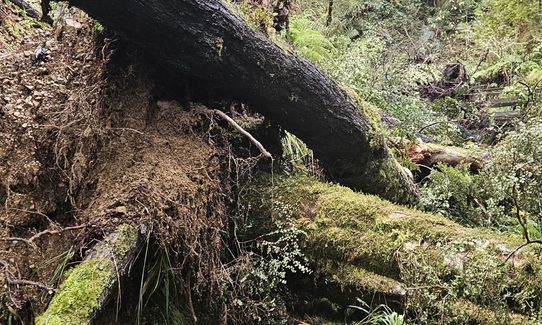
(78, 295)
(464, 312)
(126, 236)
(364, 243)
(86, 284)
(349, 276)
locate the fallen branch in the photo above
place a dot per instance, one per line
(92, 283)
(430, 154)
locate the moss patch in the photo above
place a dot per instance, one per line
(124, 241)
(86, 284)
(78, 295)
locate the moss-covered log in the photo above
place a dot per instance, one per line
(88, 287)
(204, 39)
(435, 269)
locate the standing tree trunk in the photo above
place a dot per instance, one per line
(205, 40)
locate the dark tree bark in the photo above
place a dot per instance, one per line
(30, 11)
(205, 40)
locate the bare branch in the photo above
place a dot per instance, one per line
(236, 126)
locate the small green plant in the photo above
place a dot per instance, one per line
(310, 42)
(298, 157)
(512, 179)
(449, 14)
(519, 18)
(379, 315)
(63, 259)
(259, 274)
(294, 150)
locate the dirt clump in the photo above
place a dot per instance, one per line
(84, 148)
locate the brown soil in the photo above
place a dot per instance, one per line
(83, 146)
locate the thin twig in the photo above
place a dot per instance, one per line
(480, 63)
(524, 228)
(530, 242)
(430, 125)
(236, 126)
(126, 129)
(31, 283)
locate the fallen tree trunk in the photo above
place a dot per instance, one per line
(436, 270)
(91, 284)
(204, 39)
(430, 154)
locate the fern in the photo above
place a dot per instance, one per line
(311, 43)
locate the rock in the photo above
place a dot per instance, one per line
(73, 23)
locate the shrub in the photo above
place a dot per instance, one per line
(512, 179)
(450, 13)
(452, 192)
(520, 18)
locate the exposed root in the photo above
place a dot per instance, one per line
(11, 281)
(236, 126)
(31, 241)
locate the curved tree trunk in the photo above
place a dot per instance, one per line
(204, 39)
